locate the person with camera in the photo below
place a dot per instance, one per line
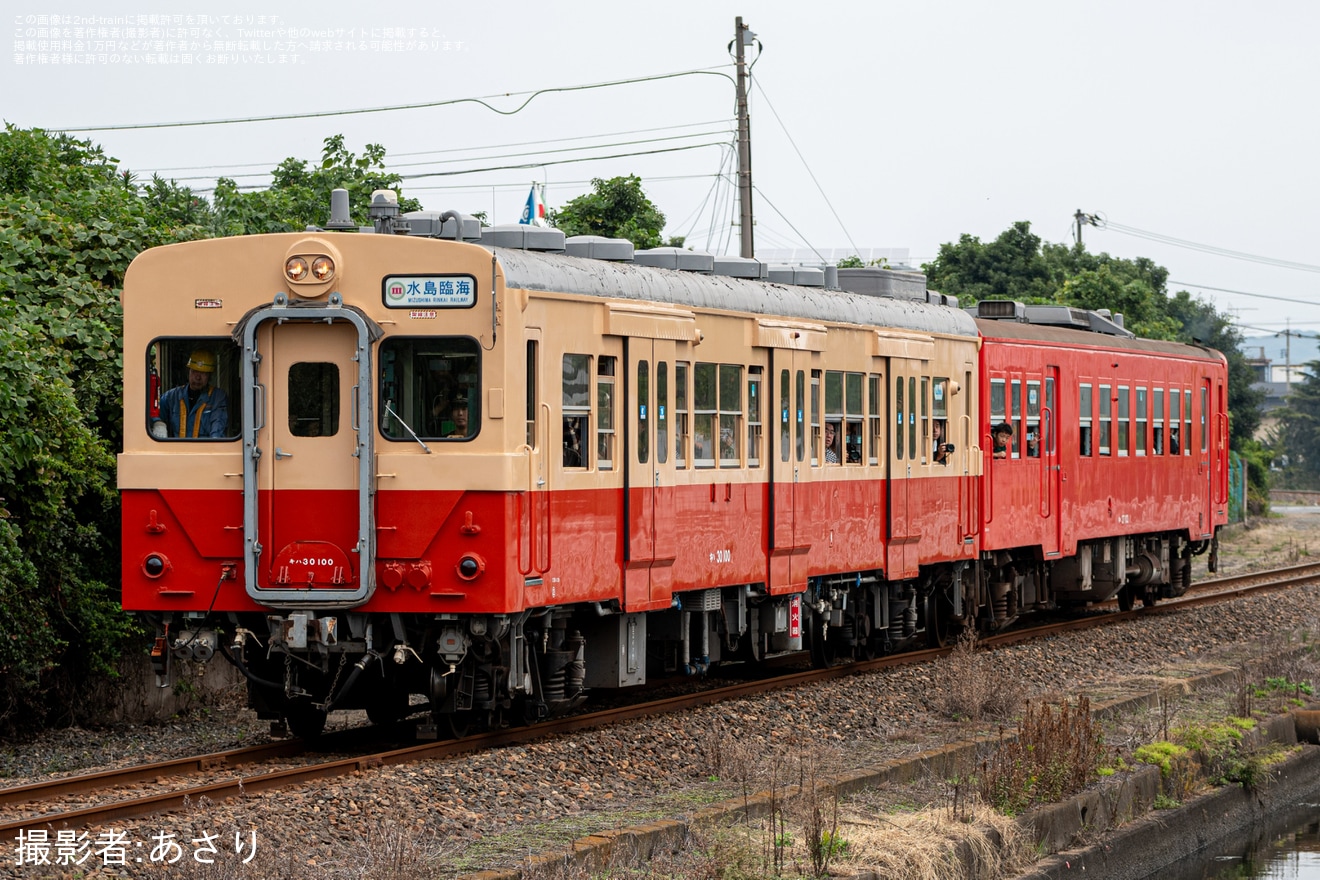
(942, 450)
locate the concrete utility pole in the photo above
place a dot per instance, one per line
(743, 37)
(1080, 218)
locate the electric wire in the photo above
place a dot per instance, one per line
(1104, 223)
(1308, 302)
(464, 171)
(796, 231)
(391, 156)
(805, 165)
(423, 105)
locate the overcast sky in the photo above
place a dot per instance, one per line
(1190, 119)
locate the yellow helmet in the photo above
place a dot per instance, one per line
(202, 361)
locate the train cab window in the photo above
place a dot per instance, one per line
(193, 389)
(313, 400)
(1140, 422)
(1157, 421)
(576, 438)
(605, 436)
(424, 383)
(1106, 418)
(833, 417)
(731, 380)
(682, 436)
(852, 428)
(705, 411)
(1187, 422)
(1124, 414)
(662, 411)
(1084, 409)
(1032, 435)
(754, 416)
(875, 418)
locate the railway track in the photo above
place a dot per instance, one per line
(106, 796)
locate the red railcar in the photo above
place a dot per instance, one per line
(499, 474)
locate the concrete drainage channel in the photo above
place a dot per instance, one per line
(1126, 836)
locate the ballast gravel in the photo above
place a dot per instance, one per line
(494, 809)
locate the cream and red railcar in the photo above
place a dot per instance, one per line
(497, 476)
(1117, 470)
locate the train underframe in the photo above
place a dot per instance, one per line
(470, 672)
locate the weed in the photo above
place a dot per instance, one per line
(1161, 754)
(969, 685)
(1164, 802)
(1055, 754)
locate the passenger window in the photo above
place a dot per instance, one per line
(1141, 421)
(754, 416)
(1187, 422)
(1032, 436)
(730, 415)
(577, 411)
(1015, 418)
(998, 405)
(314, 400)
(1124, 400)
(852, 406)
(876, 417)
(1157, 422)
(425, 383)
(191, 382)
(605, 433)
(833, 416)
(1106, 418)
(1084, 411)
(816, 436)
(1175, 401)
(704, 436)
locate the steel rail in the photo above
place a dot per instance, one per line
(233, 787)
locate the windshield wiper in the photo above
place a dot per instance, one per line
(410, 431)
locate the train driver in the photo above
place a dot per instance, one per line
(459, 416)
(1002, 435)
(197, 409)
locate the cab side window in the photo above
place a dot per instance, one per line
(193, 390)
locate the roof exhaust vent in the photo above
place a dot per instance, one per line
(803, 276)
(523, 237)
(676, 258)
(598, 247)
(1002, 310)
(874, 281)
(741, 267)
(434, 224)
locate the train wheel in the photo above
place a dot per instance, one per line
(460, 723)
(937, 623)
(305, 720)
(822, 648)
(1149, 597)
(863, 627)
(1125, 598)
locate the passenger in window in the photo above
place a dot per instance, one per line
(197, 409)
(459, 416)
(831, 443)
(1033, 443)
(573, 442)
(1002, 435)
(853, 443)
(727, 450)
(701, 446)
(1173, 441)
(941, 450)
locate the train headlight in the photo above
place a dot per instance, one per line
(295, 269)
(323, 268)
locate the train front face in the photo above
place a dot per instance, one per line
(317, 463)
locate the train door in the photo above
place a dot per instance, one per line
(534, 503)
(1047, 437)
(790, 456)
(649, 484)
(308, 506)
(905, 453)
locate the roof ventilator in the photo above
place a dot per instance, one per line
(523, 237)
(676, 258)
(598, 247)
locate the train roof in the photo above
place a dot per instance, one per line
(1052, 334)
(536, 270)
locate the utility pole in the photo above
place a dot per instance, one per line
(1080, 219)
(743, 37)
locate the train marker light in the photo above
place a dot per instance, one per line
(154, 565)
(471, 566)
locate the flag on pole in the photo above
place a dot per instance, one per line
(534, 211)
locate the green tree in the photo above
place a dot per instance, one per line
(1010, 267)
(299, 195)
(616, 208)
(1299, 430)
